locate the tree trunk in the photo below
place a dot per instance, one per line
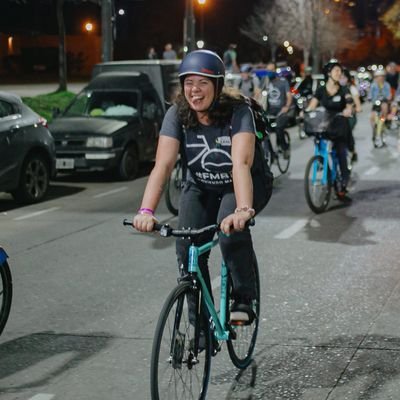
(274, 49)
(62, 57)
(315, 42)
(306, 57)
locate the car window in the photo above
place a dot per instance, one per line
(6, 109)
(104, 104)
(150, 109)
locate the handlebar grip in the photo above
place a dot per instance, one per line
(156, 228)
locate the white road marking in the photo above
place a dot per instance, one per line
(42, 396)
(292, 230)
(121, 189)
(35, 214)
(372, 171)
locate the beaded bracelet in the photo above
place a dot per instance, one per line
(144, 210)
(248, 209)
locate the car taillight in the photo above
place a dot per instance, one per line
(43, 121)
(294, 90)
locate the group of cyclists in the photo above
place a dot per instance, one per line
(213, 130)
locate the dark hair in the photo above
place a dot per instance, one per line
(219, 114)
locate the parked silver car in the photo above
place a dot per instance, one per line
(27, 151)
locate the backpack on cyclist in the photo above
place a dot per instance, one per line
(261, 171)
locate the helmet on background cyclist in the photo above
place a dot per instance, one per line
(379, 72)
(328, 67)
(204, 63)
(246, 68)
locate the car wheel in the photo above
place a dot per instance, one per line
(129, 165)
(34, 180)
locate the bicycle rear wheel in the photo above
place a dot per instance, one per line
(173, 188)
(317, 193)
(5, 294)
(176, 372)
(283, 162)
(243, 338)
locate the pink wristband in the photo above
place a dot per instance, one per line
(145, 210)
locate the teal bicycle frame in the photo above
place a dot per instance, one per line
(193, 268)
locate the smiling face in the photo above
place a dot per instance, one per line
(199, 92)
(336, 73)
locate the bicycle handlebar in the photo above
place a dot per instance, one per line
(167, 231)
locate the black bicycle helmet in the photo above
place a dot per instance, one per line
(330, 65)
(204, 63)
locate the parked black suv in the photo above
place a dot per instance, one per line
(27, 151)
(113, 124)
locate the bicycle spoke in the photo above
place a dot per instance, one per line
(179, 375)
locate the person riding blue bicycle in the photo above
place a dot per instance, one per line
(214, 130)
(338, 102)
(279, 104)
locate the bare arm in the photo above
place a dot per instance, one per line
(167, 152)
(313, 104)
(243, 144)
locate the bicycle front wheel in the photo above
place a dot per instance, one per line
(317, 192)
(5, 294)
(173, 188)
(176, 372)
(243, 338)
(284, 156)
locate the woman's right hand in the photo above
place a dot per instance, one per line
(144, 222)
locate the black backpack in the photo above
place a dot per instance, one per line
(263, 178)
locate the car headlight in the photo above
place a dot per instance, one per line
(102, 142)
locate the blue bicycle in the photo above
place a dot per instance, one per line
(5, 289)
(321, 175)
(190, 328)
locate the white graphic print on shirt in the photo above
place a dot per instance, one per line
(209, 162)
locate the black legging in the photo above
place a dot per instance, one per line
(199, 208)
(343, 139)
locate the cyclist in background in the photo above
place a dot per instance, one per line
(306, 85)
(338, 102)
(216, 132)
(249, 84)
(279, 101)
(392, 77)
(348, 81)
(380, 90)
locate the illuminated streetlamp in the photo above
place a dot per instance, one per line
(88, 27)
(286, 43)
(265, 38)
(201, 3)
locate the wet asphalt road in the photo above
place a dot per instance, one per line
(87, 291)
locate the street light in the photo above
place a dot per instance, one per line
(202, 4)
(189, 26)
(88, 27)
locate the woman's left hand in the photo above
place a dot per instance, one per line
(235, 222)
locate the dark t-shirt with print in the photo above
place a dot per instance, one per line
(335, 103)
(207, 149)
(277, 95)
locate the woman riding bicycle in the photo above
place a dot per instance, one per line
(338, 102)
(214, 130)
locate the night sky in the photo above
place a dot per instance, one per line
(154, 22)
